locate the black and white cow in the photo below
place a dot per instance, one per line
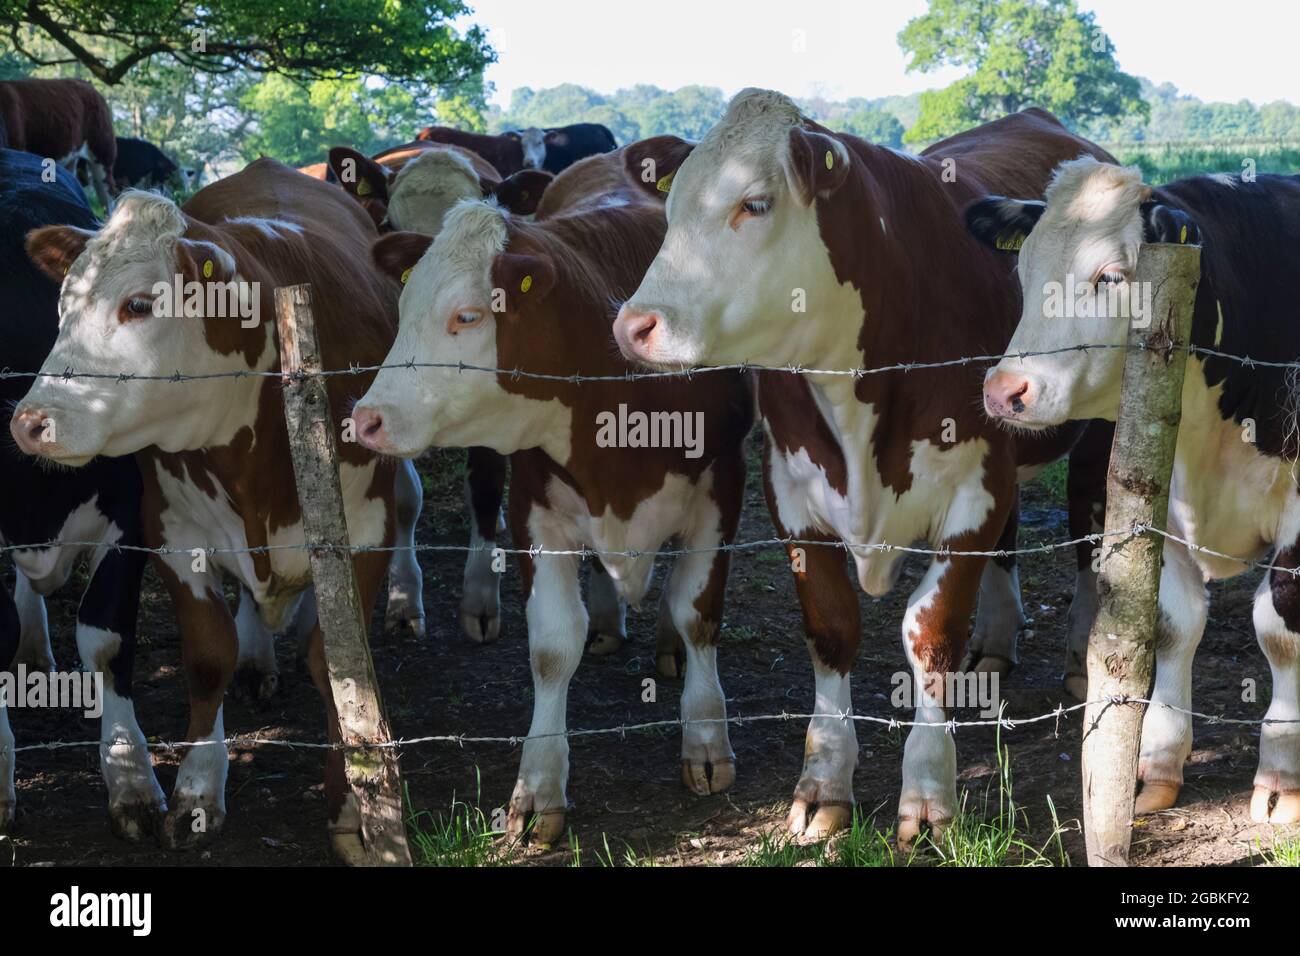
(556, 148)
(142, 165)
(1234, 487)
(99, 503)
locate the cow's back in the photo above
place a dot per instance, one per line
(1012, 156)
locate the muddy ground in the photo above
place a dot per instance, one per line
(627, 791)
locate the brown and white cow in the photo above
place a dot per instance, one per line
(1234, 489)
(66, 120)
(789, 244)
(503, 151)
(495, 291)
(213, 452)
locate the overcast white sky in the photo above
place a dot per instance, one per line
(1214, 50)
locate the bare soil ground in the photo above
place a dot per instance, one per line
(627, 791)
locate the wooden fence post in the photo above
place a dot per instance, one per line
(373, 775)
(1121, 659)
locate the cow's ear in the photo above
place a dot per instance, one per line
(397, 253)
(53, 249)
(1161, 223)
(360, 175)
(652, 163)
(521, 191)
(1003, 223)
(819, 163)
(202, 261)
(523, 278)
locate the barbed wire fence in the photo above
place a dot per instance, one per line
(1002, 721)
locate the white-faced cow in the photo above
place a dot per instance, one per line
(64, 120)
(615, 466)
(99, 503)
(1234, 488)
(789, 244)
(213, 453)
(556, 148)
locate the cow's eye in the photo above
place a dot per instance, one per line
(136, 307)
(464, 319)
(1113, 276)
(760, 206)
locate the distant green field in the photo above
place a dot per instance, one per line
(1163, 162)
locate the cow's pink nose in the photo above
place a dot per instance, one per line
(28, 428)
(1006, 394)
(370, 428)
(634, 331)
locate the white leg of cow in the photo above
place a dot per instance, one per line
(480, 603)
(999, 618)
(135, 801)
(607, 614)
(1167, 734)
(256, 670)
(695, 599)
(557, 627)
(1277, 626)
(34, 648)
(405, 610)
(99, 181)
(1083, 611)
(929, 755)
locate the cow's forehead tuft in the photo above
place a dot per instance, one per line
(430, 170)
(1086, 189)
(755, 130)
(474, 230)
(140, 220)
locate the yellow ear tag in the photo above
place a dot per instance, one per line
(207, 268)
(406, 275)
(665, 182)
(363, 188)
(1182, 236)
(526, 284)
(1010, 245)
(830, 159)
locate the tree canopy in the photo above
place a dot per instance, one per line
(1020, 53)
(315, 39)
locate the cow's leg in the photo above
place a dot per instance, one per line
(9, 631)
(606, 612)
(999, 615)
(99, 182)
(480, 604)
(934, 629)
(256, 670)
(34, 648)
(343, 814)
(696, 595)
(1277, 626)
(209, 650)
(106, 640)
(1086, 493)
(1167, 734)
(405, 610)
(670, 649)
(557, 627)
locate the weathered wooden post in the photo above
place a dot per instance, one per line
(372, 774)
(1121, 658)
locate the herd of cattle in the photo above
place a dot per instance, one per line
(773, 241)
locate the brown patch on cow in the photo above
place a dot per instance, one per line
(504, 152)
(53, 118)
(602, 179)
(787, 405)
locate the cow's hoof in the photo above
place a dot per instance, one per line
(1156, 795)
(348, 848)
(703, 777)
(132, 822)
(917, 815)
(1285, 810)
(601, 644)
(1076, 685)
(189, 825)
(481, 628)
(404, 621)
(541, 829)
(254, 683)
(811, 821)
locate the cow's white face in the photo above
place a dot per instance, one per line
(446, 318)
(426, 188)
(108, 324)
(743, 251)
(1076, 269)
(533, 140)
